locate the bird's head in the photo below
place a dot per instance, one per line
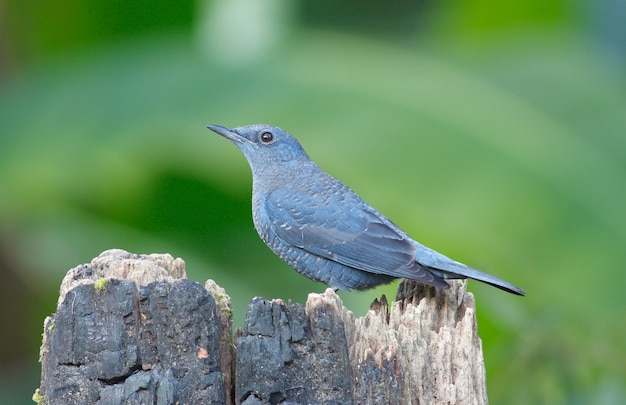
(264, 145)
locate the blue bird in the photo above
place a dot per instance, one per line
(324, 230)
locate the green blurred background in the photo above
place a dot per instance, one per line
(494, 132)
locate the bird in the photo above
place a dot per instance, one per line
(324, 230)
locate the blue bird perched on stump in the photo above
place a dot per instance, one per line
(321, 228)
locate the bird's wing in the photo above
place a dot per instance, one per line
(342, 227)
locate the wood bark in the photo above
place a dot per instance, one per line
(131, 329)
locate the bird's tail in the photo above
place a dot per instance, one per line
(446, 268)
(468, 272)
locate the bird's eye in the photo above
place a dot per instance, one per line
(267, 137)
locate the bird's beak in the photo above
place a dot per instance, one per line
(226, 133)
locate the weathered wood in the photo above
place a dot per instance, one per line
(159, 338)
(288, 354)
(154, 338)
(425, 350)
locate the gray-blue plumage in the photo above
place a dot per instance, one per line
(322, 229)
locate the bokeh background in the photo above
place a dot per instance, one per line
(492, 131)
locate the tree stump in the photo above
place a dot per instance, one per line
(131, 329)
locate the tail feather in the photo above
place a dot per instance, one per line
(446, 268)
(468, 272)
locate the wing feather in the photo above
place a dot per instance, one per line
(340, 226)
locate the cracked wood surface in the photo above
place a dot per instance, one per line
(131, 329)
